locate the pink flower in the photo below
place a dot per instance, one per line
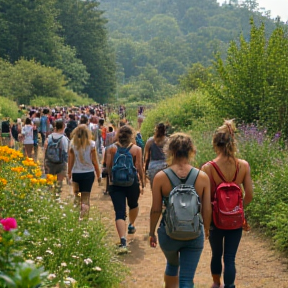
(9, 224)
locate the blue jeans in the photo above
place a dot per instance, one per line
(227, 242)
(183, 254)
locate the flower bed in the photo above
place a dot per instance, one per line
(49, 233)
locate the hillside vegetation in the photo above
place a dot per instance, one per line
(157, 40)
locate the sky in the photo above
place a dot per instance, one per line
(277, 7)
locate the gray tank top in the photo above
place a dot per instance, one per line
(156, 151)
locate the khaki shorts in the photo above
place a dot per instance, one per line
(55, 169)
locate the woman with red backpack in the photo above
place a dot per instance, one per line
(228, 176)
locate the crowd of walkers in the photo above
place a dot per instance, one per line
(80, 144)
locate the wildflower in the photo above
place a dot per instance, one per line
(51, 276)
(70, 280)
(87, 261)
(63, 264)
(30, 210)
(3, 181)
(96, 269)
(29, 261)
(49, 251)
(39, 258)
(9, 224)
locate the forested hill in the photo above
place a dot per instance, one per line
(169, 35)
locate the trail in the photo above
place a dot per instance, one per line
(257, 265)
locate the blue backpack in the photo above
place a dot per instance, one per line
(139, 140)
(55, 152)
(123, 169)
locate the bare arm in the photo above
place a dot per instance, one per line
(139, 166)
(206, 202)
(95, 162)
(247, 184)
(71, 159)
(156, 208)
(147, 154)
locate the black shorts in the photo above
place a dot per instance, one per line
(120, 194)
(84, 180)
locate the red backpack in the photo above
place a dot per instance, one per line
(228, 212)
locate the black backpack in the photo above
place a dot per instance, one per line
(14, 132)
(5, 127)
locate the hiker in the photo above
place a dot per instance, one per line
(5, 132)
(56, 154)
(71, 125)
(44, 125)
(82, 165)
(185, 253)
(140, 116)
(27, 132)
(155, 159)
(131, 190)
(225, 167)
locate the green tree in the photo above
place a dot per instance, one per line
(252, 84)
(29, 30)
(84, 28)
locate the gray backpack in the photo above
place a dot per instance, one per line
(183, 217)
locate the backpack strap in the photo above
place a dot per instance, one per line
(193, 174)
(174, 179)
(125, 149)
(220, 174)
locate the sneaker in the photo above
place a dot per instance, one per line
(131, 229)
(122, 247)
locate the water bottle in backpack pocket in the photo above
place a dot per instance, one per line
(123, 169)
(183, 219)
(228, 212)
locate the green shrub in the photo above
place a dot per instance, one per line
(183, 112)
(8, 108)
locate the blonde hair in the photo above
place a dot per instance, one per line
(179, 145)
(81, 138)
(224, 139)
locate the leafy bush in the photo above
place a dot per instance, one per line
(49, 231)
(8, 108)
(183, 112)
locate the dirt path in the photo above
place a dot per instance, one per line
(257, 266)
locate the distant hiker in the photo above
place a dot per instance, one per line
(82, 166)
(71, 125)
(124, 156)
(183, 248)
(5, 132)
(44, 127)
(227, 173)
(140, 116)
(155, 159)
(27, 132)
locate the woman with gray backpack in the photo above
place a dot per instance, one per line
(185, 192)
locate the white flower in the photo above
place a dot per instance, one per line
(63, 264)
(67, 271)
(64, 215)
(30, 210)
(88, 261)
(57, 245)
(39, 258)
(51, 276)
(29, 261)
(96, 268)
(74, 256)
(61, 207)
(49, 251)
(45, 239)
(70, 280)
